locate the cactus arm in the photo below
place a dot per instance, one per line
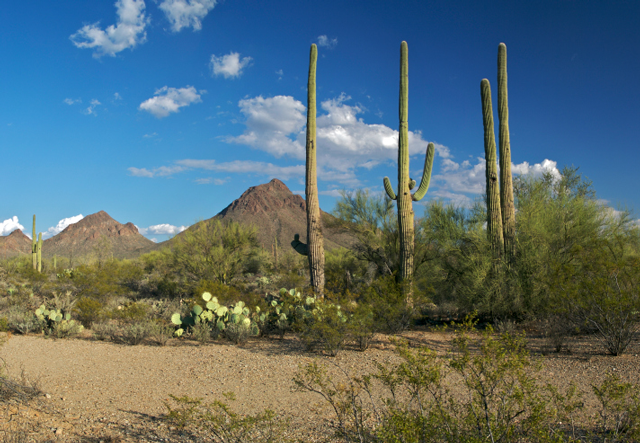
(426, 174)
(389, 188)
(301, 248)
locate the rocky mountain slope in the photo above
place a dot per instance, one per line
(278, 214)
(98, 234)
(14, 244)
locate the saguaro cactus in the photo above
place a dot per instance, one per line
(34, 245)
(506, 183)
(404, 197)
(494, 217)
(315, 244)
(39, 252)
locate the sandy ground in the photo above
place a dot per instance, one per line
(99, 391)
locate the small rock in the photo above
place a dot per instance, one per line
(59, 431)
(47, 395)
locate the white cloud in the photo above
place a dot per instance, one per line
(10, 225)
(277, 125)
(168, 100)
(327, 42)
(186, 13)
(127, 33)
(71, 101)
(280, 74)
(229, 65)
(161, 229)
(162, 171)
(62, 224)
(91, 110)
(117, 96)
(270, 124)
(461, 181)
(537, 169)
(153, 134)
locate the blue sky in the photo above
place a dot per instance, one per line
(161, 112)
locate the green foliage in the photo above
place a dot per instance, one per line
(88, 311)
(619, 409)
(391, 311)
(599, 291)
(222, 423)
(212, 250)
(131, 312)
(484, 390)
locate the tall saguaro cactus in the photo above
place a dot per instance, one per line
(404, 197)
(39, 252)
(506, 183)
(494, 217)
(314, 249)
(34, 245)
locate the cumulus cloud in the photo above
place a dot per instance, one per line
(277, 125)
(128, 32)
(186, 13)
(161, 229)
(229, 65)
(209, 180)
(462, 182)
(71, 101)
(271, 122)
(10, 225)
(327, 42)
(61, 226)
(168, 100)
(91, 110)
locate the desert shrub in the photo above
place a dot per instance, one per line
(202, 332)
(135, 333)
(105, 331)
(238, 333)
(212, 250)
(22, 320)
(292, 279)
(224, 293)
(131, 312)
(326, 330)
(361, 327)
(393, 311)
(599, 290)
(500, 399)
(160, 334)
(4, 324)
(223, 424)
(619, 410)
(88, 310)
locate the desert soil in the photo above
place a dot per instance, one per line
(103, 392)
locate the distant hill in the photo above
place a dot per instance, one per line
(278, 214)
(14, 244)
(95, 231)
(272, 208)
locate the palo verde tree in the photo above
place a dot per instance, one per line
(404, 198)
(314, 249)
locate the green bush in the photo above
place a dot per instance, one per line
(222, 423)
(327, 330)
(393, 311)
(88, 311)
